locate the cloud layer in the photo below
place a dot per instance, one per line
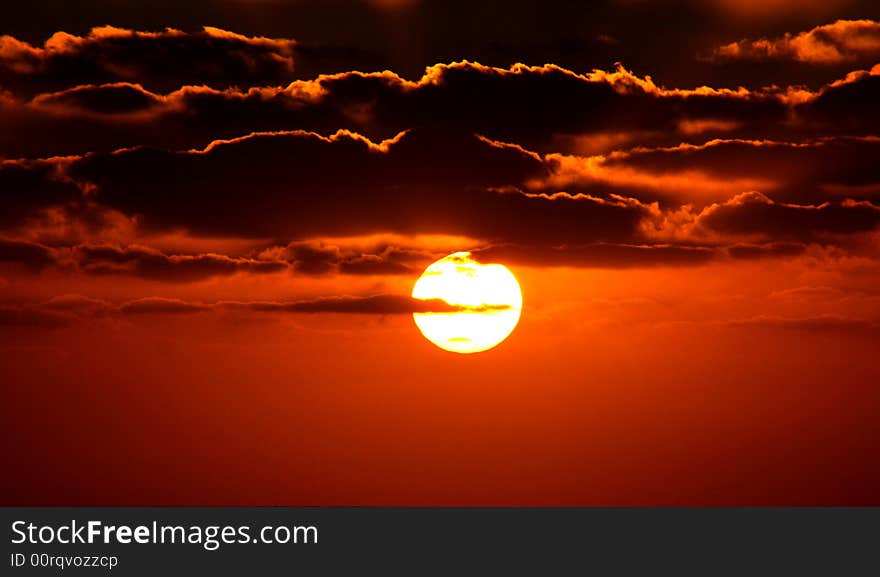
(66, 310)
(547, 109)
(850, 41)
(161, 60)
(187, 157)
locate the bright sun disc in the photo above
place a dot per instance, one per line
(488, 295)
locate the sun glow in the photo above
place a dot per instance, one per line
(489, 297)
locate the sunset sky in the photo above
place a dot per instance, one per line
(213, 213)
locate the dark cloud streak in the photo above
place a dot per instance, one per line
(67, 310)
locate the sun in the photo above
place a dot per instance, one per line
(488, 295)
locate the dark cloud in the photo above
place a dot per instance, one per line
(543, 108)
(316, 259)
(848, 106)
(78, 305)
(611, 256)
(408, 36)
(433, 173)
(159, 60)
(372, 264)
(159, 305)
(383, 304)
(118, 98)
(768, 250)
(138, 261)
(313, 258)
(302, 185)
(755, 214)
(30, 255)
(599, 255)
(148, 263)
(427, 181)
(59, 312)
(322, 258)
(66, 310)
(539, 107)
(27, 187)
(302, 257)
(830, 168)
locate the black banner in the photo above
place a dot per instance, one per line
(413, 541)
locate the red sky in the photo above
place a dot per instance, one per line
(208, 237)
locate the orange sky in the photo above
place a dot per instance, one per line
(669, 386)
